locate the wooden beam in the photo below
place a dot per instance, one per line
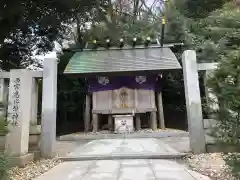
(153, 120)
(34, 74)
(110, 122)
(206, 66)
(125, 47)
(95, 122)
(87, 113)
(138, 122)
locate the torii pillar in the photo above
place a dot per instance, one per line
(193, 102)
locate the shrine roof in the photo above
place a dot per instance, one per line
(122, 60)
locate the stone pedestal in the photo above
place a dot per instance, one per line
(138, 122)
(193, 102)
(19, 115)
(123, 124)
(95, 122)
(153, 120)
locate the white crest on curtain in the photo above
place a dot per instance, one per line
(141, 79)
(103, 80)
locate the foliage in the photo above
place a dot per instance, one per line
(201, 8)
(223, 31)
(3, 125)
(225, 85)
(216, 34)
(233, 161)
(29, 28)
(4, 166)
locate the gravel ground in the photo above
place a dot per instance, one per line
(211, 165)
(34, 169)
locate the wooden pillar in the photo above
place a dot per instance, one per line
(160, 111)
(153, 120)
(138, 122)
(87, 113)
(110, 122)
(95, 122)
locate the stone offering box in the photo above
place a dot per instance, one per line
(123, 124)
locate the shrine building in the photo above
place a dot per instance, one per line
(124, 85)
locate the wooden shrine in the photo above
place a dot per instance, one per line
(121, 99)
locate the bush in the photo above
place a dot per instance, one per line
(233, 161)
(225, 84)
(4, 166)
(3, 125)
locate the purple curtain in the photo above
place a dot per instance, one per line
(101, 83)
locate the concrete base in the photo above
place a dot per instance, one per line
(22, 160)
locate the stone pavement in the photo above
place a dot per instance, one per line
(155, 134)
(121, 170)
(122, 159)
(140, 148)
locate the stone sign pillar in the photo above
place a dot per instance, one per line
(193, 102)
(49, 103)
(19, 115)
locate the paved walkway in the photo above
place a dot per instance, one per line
(140, 148)
(121, 170)
(156, 134)
(132, 159)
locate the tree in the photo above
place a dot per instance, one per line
(31, 27)
(201, 8)
(224, 32)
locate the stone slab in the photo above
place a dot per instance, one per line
(67, 171)
(80, 137)
(123, 146)
(122, 170)
(128, 156)
(123, 149)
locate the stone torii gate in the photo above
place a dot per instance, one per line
(18, 136)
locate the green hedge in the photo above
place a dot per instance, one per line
(4, 166)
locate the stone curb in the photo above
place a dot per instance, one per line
(127, 156)
(73, 137)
